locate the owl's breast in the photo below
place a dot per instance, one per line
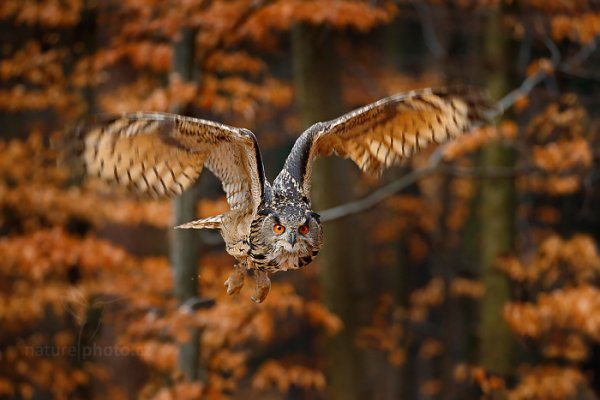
(282, 260)
(286, 261)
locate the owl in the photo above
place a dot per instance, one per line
(269, 227)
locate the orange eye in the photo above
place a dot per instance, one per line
(278, 229)
(303, 229)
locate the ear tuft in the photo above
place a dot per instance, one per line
(265, 212)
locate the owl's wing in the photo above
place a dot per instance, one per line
(386, 132)
(163, 154)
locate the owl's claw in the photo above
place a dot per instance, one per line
(235, 282)
(263, 286)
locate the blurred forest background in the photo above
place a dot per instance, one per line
(474, 276)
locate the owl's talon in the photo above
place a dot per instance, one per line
(235, 282)
(263, 286)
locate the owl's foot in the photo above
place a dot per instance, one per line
(263, 286)
(235, 282)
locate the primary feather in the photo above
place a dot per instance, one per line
(388, 131)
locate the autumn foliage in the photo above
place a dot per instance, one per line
(87, 308)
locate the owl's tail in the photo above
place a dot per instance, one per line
(214, 222)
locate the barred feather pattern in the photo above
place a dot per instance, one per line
(163, 154)
(386, 132)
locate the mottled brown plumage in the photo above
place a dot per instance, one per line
(268, 228)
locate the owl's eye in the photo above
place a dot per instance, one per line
(278, 229)
(303, 229)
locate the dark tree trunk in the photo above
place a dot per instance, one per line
(318, 95)
(498, 213)
(185, 243)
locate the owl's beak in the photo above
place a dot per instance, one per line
(292, 238)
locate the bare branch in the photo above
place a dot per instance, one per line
(435, 161)
(428, 26)
(524, 54)
(532, 81)
(383, 193)
(570, 65)
(583, 54)
(555, 56)
(526, 87)
(377, 196)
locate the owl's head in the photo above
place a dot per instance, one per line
(291, 227)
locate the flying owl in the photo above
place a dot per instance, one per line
(269, 227)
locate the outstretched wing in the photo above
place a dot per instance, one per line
(163, 154)
(386, 132)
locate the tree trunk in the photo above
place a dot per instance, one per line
(498, 213)
(318, 95)
(185, 243)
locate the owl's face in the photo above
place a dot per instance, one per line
(286, 235)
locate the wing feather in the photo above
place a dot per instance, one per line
(388, 131)
(163, 154)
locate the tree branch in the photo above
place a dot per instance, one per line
(376, 197)
(405, 181)
(526, 87)
(532, 81)
(435, 161)
(583, 54)
(428, 28)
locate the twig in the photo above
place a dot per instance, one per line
(584, 53)
(435, 161)
(568, 67)
(428, 27)
(526, 87)
(532, 81)
(524, 53)
(555, 56)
